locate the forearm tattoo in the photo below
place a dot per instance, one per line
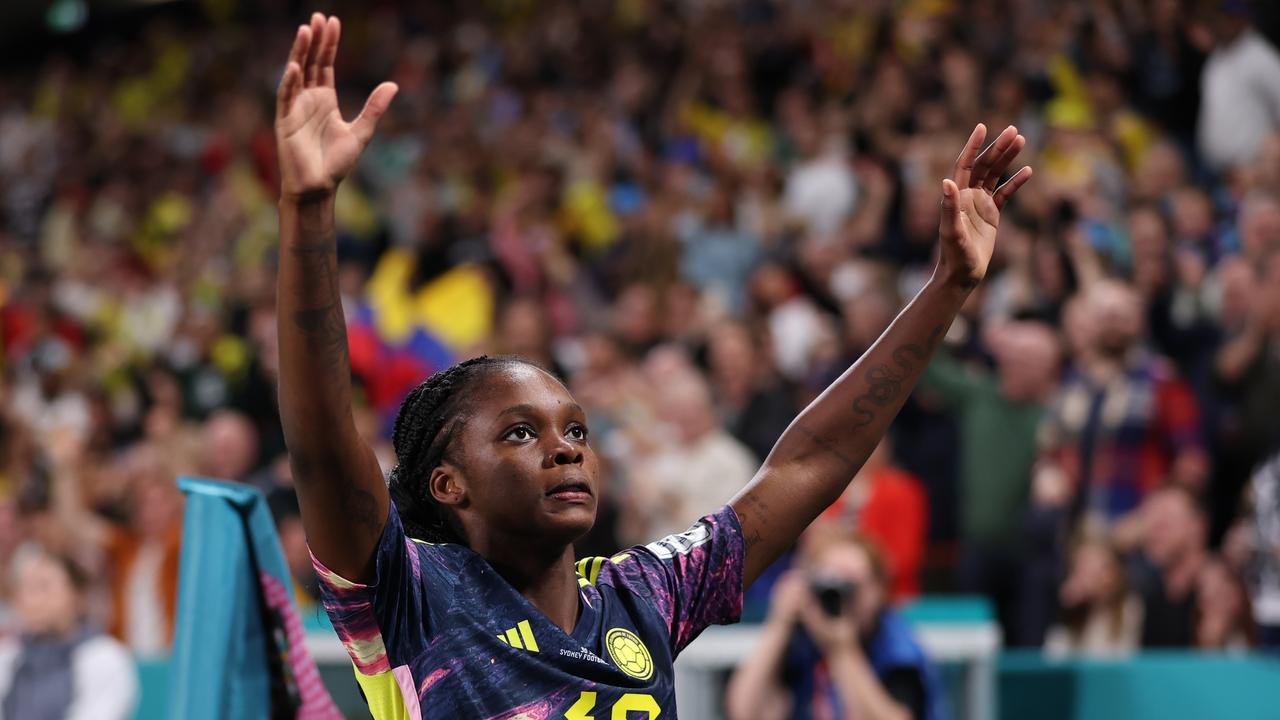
(322, 327)
(830, 446)
(317, 269)
(885, 382)
(325, 332)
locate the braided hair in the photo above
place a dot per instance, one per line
(423, 433)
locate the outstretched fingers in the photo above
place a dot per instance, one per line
(1010, 186)
(291, 80)
(301, 45)
(968, 156)
(989, 160)
(329, 50)
(311, 66)
(1000, 165)
(290, 86)
(367, 121)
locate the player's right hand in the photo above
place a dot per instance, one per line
(317, 148)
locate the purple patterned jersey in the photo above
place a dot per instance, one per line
(440, 634)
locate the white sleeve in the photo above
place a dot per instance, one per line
(1265, 77)
(104, 681)
(9, 653)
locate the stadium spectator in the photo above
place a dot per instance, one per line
(1224, 619)
(1255, 544)
(1172, 531)
(230, 446)
(754, 403)
(1122, 423)
(832, 647)
(888, 506)
(142, 558)
(1248, 363)
(46, 398)
(1120, 426)
(696, 465)
(1240, 104)
(998, 415)
(1100, 615)
(60, 667)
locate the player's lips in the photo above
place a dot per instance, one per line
(571, 491)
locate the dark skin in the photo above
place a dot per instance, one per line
(521, 477)
(506, 484)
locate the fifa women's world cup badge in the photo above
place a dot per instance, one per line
(629, 654)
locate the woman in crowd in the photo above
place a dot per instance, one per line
(1101, 615)
(60, 667)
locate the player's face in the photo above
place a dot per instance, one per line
(527, 464)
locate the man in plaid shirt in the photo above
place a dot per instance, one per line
(1122, 423)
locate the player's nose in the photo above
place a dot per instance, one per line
(563, 453)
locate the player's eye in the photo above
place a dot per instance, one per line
(519, 433)
(578, 432)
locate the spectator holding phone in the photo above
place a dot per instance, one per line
(832, 648)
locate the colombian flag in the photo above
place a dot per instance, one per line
(401, 334)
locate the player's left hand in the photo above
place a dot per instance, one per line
(971, 202)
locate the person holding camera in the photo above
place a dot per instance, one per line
(831, 648)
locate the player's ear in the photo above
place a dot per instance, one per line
(447, 485)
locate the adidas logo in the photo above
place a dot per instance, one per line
(520, 636)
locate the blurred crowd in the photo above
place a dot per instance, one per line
(698, 213)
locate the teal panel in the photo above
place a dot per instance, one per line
(1150, 686)
(948, 609)
(153, 683)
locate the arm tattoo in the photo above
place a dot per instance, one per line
(318, 264)
(754, 513)
(325, 333)
(314, 256)
(359, 503)
(322, 326)
(830, 446)
(362, 506)
(884, 383)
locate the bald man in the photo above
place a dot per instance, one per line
(998, 415)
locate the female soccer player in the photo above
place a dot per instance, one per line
(455, 590)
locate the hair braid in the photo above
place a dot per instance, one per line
(422, 437)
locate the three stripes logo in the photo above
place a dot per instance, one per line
(589, 570)
(520, 636)
(589, 567)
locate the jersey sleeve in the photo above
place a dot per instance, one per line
(386, 623)
(694, 578)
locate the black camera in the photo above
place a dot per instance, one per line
(832, 593)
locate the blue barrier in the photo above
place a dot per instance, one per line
(1151, 686)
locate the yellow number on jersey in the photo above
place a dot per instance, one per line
(586, 703)
(635, 702)
(631, 702)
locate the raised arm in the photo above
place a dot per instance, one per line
(829, 441)
(340, 488)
